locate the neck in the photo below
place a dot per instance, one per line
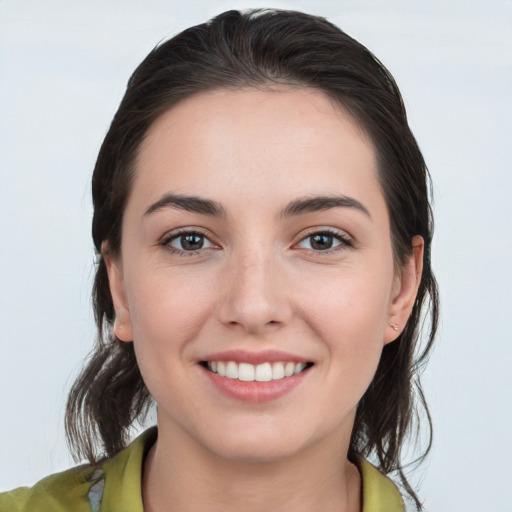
(181, 476)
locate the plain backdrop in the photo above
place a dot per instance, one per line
(63, 69)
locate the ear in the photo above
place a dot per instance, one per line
(122, 321)
(405, 289)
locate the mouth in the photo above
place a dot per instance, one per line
(264, 372)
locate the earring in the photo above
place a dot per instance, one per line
(393, 326)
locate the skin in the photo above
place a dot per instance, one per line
(257, 283)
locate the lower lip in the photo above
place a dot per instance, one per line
(255, 392)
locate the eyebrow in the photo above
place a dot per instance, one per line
(188, 203)
(299, 206)
(321, 203)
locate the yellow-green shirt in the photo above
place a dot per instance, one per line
(115, 486)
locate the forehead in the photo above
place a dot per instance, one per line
(284, 141)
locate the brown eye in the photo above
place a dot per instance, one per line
(323, 241)
(189, 242)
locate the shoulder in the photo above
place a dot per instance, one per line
(14, 501)
(109, 485)
(379, 493)
(59, 492)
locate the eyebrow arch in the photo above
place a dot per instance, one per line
(320, 203)
(188, 203)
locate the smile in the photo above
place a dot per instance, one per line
(264, 372)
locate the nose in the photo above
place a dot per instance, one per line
(255, 297)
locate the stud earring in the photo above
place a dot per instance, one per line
(393, 326)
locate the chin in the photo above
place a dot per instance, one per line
(260, 445)
(257, 452)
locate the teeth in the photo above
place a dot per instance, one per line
(277, 371)
(288, 369)
(260, 373)
(298, 368)
(232, 370)
(246, 372)
(263, 372)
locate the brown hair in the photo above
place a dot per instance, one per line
(257, 49)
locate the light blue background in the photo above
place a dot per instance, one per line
(63, 69)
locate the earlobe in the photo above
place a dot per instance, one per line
(405, 291)
(122, 322)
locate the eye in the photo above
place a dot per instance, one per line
(324, 241)
(187, 241)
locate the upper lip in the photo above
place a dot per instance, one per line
(264, 356)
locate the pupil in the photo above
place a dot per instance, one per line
(321, 241)
(192, 242)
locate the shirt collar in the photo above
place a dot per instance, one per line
(123, 480)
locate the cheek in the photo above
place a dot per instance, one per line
(167, 313)
(165, 323)
(354, 304)
(163, 301)
(349, 317)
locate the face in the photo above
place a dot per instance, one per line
(256, 274)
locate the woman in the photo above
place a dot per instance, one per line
(263, 234)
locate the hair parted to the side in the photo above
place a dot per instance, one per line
(259, 49)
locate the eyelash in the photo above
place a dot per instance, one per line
(345, 242)
(185, 232)
(343, 239)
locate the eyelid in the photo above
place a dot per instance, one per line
(178, 232)
(346, 241)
